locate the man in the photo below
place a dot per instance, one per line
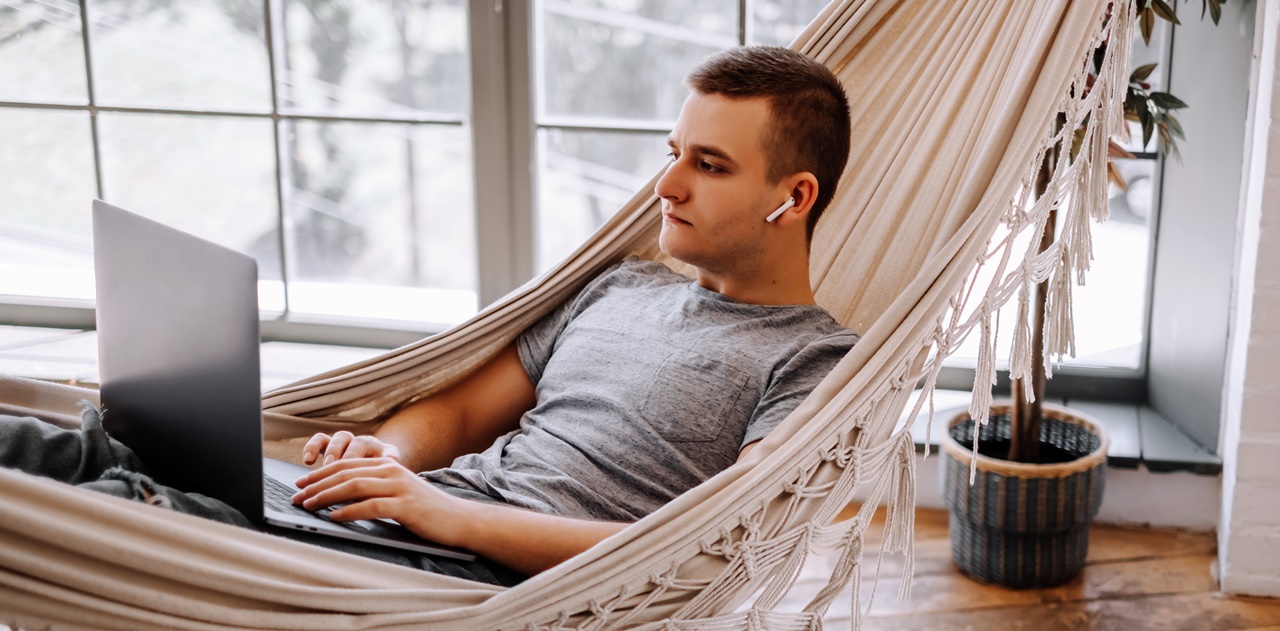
(644, 384)
(762, 125)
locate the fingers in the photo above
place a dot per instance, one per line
(354, 481)
(365, 447)
(314, 448)
(357, 490)
(373, 508)
(337, 446)
(343, 470)
(342, 445)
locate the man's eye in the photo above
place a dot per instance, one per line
(672, 155)
(710, 168)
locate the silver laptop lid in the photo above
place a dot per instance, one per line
(178, 356)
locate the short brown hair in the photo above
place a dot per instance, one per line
(810, 112)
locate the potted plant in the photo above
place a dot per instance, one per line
(1040, 469)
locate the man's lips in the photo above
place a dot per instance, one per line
(671, 218)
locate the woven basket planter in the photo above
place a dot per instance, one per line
(1023, 525)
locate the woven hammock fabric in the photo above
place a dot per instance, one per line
(954, 107)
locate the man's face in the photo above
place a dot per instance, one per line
(715, 192)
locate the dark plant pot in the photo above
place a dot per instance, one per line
(1023, 525)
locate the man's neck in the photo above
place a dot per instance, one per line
(783, 281)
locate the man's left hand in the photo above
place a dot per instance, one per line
(382, 488)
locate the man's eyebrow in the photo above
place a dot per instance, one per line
(706, 150)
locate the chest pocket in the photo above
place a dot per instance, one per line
(692, 396)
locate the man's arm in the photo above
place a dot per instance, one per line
(375, 488)
(465, 418)
(523, 540)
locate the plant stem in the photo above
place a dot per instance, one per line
(1025, 434)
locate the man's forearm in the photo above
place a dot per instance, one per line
(374, 488)
(530, 542)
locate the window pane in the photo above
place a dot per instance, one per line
(626, 59)
(386, 58)
(779, 22)
(1110, 310)
(45, 194)
(382, 221)
(194, 53)
(211, 176)
(41, 52)
(583, 178)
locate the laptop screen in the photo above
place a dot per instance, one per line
(177, 320)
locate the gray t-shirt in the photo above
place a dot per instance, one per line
(647, 385)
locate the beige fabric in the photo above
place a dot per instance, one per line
(953, 106)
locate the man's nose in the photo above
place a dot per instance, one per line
(670, 186)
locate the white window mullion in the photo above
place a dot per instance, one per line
(500, 128)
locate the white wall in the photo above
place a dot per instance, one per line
(1208, 68)
(1134, 497)
(1249, 537)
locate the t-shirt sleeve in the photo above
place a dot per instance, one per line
(795, 380)
(536, 343)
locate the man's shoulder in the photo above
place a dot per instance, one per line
(819, 332)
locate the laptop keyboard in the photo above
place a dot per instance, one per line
(280, 497)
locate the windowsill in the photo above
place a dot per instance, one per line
(1138, 434)
(71, 357)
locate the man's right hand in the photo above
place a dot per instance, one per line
(344, 444)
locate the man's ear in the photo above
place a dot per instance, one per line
(804, 190)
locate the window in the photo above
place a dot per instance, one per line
(1110, 310)
(326, 138)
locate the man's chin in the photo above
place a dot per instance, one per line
(671, 246)
(673, 249)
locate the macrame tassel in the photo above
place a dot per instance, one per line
(1100, 209)
(984, 377)
(1020, 356)
(1119, 52)
(855, 600)
(900, 518)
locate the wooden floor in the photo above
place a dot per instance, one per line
(1134, 579)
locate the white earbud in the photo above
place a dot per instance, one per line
(791, 201)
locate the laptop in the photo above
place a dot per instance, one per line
(178, 365)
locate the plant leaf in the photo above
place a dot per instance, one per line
(1165, 11)
(1215, 10)
(1166, 101)
(1165, 139)
(1114, 150)
(1141, 73)
(1133, 103)
(1174, 125)
(1147, 21)
(1113, 174)
(1148, 125)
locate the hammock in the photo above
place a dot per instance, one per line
(954, 108)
